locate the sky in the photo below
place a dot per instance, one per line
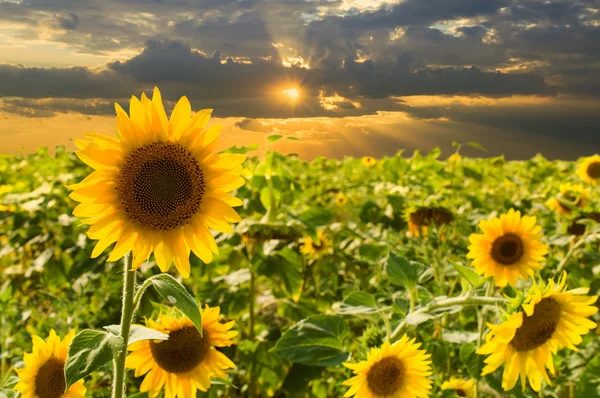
(346, 77)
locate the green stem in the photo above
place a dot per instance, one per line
(126, 318)
(449, 302)
(388, 327)
(2, 348)
(252, 299)
(140, 292)
(480, 326)
(411, 298)
(272, 212)
(567, 256)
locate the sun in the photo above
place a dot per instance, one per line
(292, 93)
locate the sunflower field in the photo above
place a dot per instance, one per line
(405, 276)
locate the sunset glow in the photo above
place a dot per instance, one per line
(292, 93)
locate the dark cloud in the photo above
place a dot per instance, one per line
(69, 22)
(50, 107)
(77, 82)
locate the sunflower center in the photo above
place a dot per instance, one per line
(508, 249)
(161, 185)
(593, 170)
(183, 351)
(539, 327)
(461, 393)
(385, 377)
(50, 379)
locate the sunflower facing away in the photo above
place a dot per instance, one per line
(317, 248)
(185, 362)
(570, 196)
(462, 387)
(399, 370)
(44, 373)
(589, 169)
(551, 318)
(368, 161)
(509, 248)
(420, 218)
(158, 187)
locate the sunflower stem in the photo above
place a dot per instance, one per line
(126, 318)
(489, 289)
(449, 302)
(388, 327)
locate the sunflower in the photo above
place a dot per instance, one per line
(44, 373)
(570, 196)
(578, 229)
(158, 187)
(462, 387)
(317, 248)
(454, 158)
(368, 161)
(510, 247)
(392, 371)
(420, 218)
(551, 318)
(185, 362)
(589, 169)
(341, 200)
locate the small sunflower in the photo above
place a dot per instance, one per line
(589, 169)
(577, 229)
(44, 373)
(341, 200)
(399, 370)
(420, 218)
(317, 248)
(551, 318)
(462, 387)
(185, 362)
(368, 161)
(158, 187)
(454, 158)
(509, 248)
(570, 196)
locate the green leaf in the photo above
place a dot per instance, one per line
(402, 272)
(293, 138)
(469, 274)
(471, 360)
(373, 252)
(242, 149)
(286, 266)
(174, 292)
(138, 333)
(477, 145)
(299, 376)
(88, 352)
(6, 393)
(11, 382)
(314, 341)
(589, 381)
(359, 303)
(317, 216)
(274, 137)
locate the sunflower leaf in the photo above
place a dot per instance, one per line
(138, 333)
(589, 381)
(469, 274)
(403, 272)
(173, 291)
(471, 360)
(359, 303)
(314, 341)
(88, 352)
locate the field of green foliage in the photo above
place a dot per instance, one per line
(322, 267)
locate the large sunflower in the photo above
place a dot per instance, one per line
(551, 318)
(462, 387)
(510, 247)
(44, 373)
(570, 196)
(399, 370)
(185, 362)
(158, 187)
(589, 169)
